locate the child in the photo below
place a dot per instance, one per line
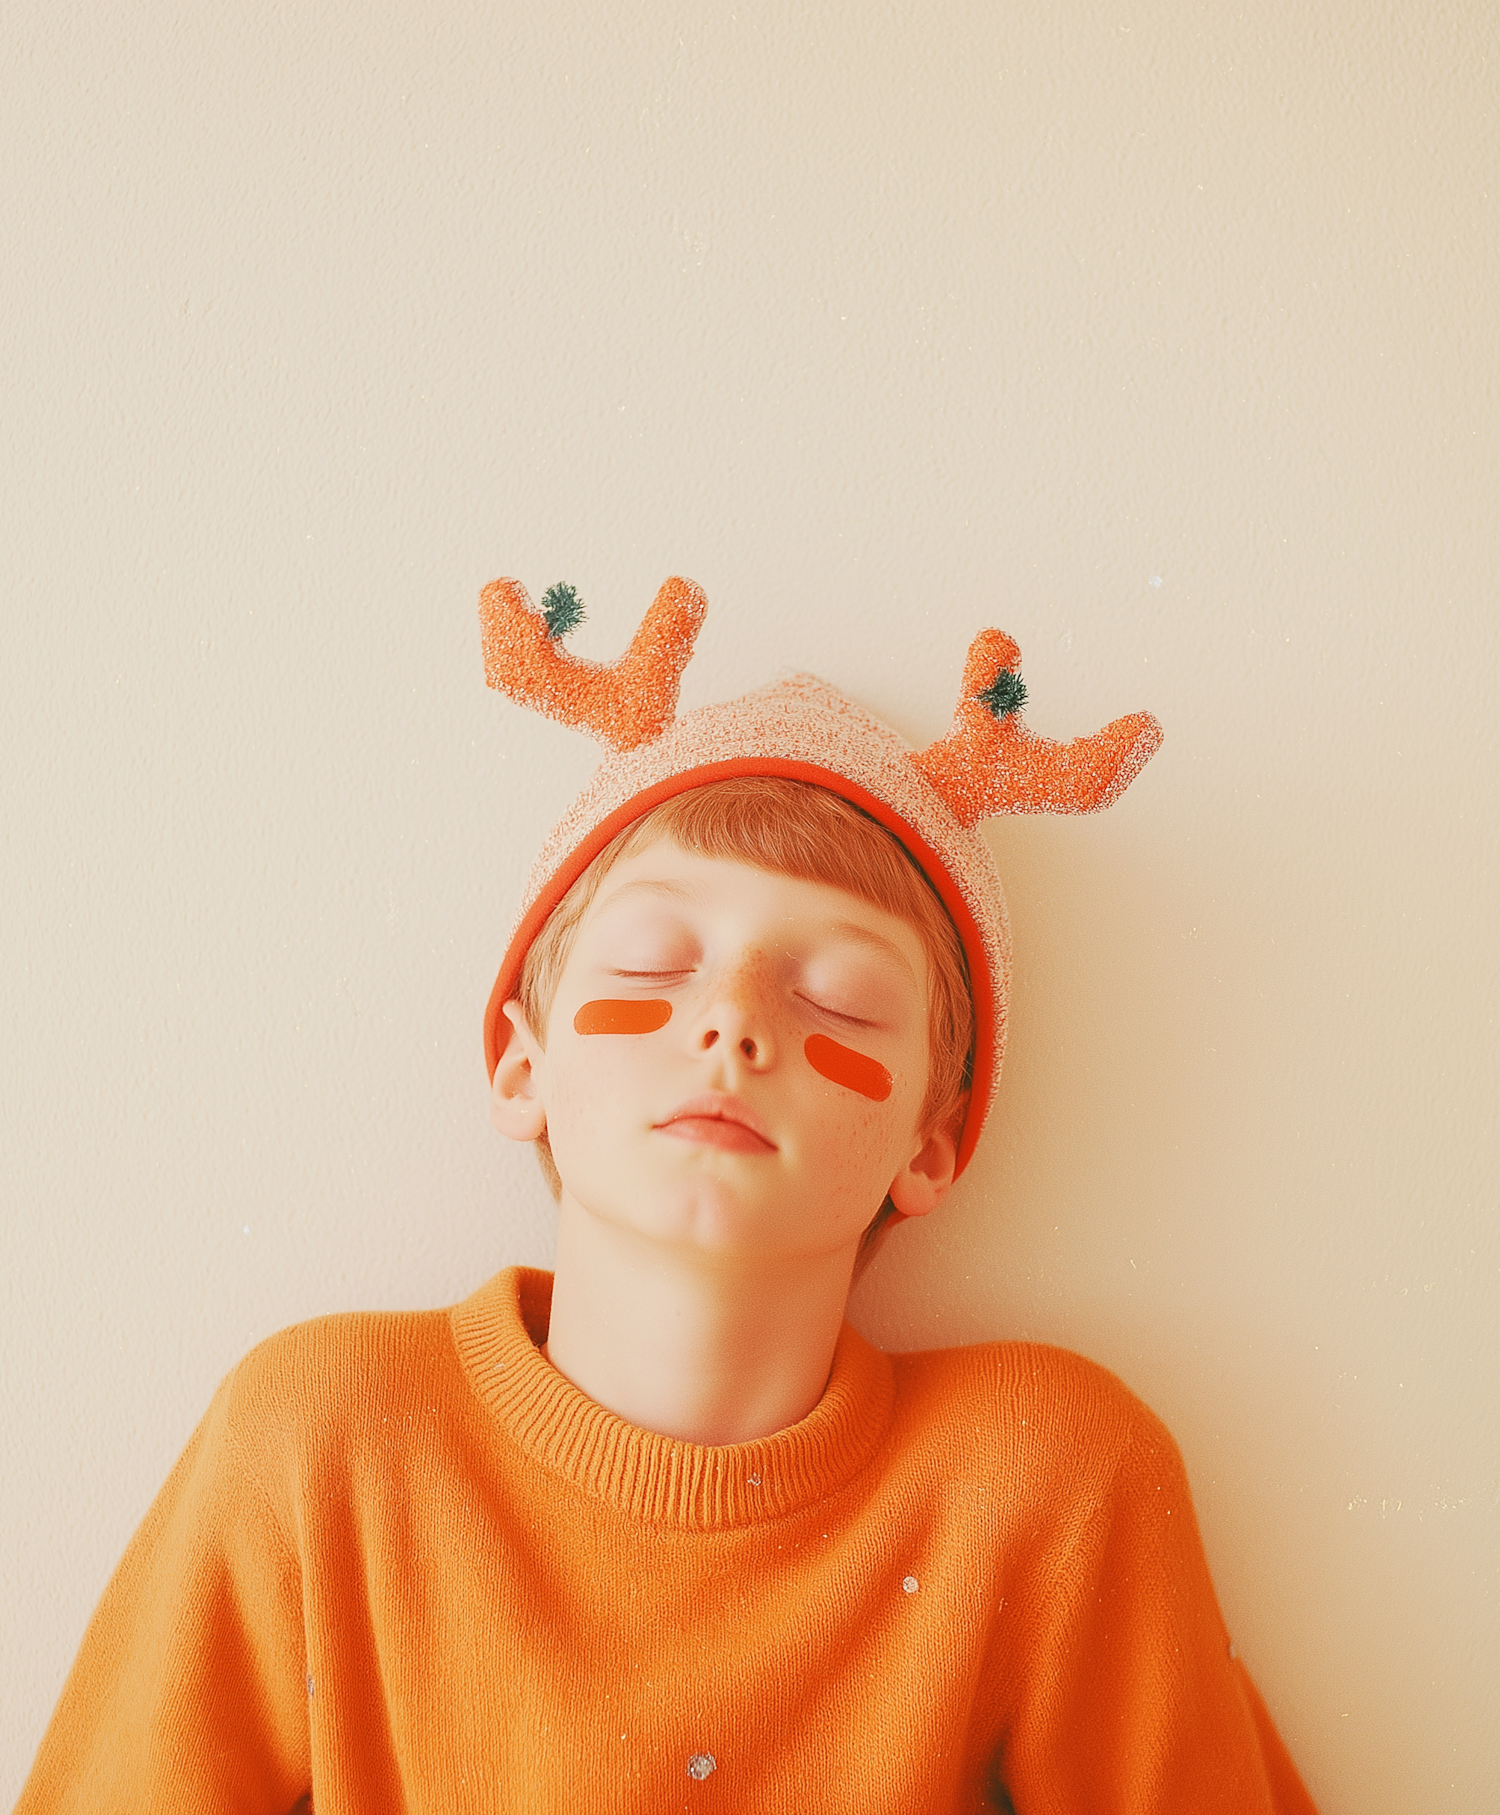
(662, 1531)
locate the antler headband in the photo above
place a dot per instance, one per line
(933, 800)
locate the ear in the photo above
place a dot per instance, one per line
(516, 1106)
(922, 1183)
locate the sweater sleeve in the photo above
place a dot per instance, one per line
(189, 1690)
(1136, 1700)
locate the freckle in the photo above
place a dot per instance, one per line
(841, 1065)
(610, 1017)
(700, 1764)
(910, 1584)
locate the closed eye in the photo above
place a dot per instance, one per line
(836, 1014)
(652, 976)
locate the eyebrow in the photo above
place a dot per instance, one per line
(849, 930)
(877, 942)
(646, 885)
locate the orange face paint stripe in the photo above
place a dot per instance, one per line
(842, 1065)
(622, 1017)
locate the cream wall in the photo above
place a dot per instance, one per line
(1162, 335)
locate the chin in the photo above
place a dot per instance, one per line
(706, 1215)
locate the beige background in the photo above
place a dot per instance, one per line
(1162, 335)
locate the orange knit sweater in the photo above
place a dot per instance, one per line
(406, 1566)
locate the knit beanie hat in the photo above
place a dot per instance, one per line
(932, 800)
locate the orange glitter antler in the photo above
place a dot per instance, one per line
(990, 763)
(623, 703)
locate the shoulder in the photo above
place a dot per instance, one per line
(1044, 1413)
(1032, 1379)
(337, 1384)
(331, 1359)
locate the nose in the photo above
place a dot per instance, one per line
(738, 1012)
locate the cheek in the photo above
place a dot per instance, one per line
(592, 1096)
(842, 1065)
(606, 1017)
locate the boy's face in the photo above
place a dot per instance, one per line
(772, 1100)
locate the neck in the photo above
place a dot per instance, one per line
(710, 1349)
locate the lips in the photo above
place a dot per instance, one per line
(718, 1120)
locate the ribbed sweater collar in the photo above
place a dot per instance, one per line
(662, 1480)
